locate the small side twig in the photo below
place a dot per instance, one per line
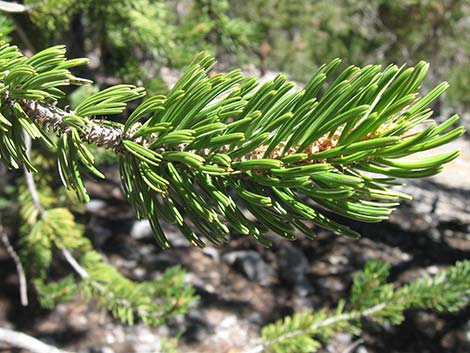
(29, 178)
(33, 191)
(82, 272)
(19, 268)
(74, 263)
(260, 346)
(29, 343)
(14, 7)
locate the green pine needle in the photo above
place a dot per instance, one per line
(281, 154)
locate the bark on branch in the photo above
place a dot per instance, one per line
(52, 118)
(24, 341)
(19, 267)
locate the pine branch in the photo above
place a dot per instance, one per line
(95, 284)
(372, 298)
(315, 328)
(103, 292)
(217, 147)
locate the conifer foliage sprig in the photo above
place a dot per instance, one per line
(51, 228)
(373, 299)
(218, 147)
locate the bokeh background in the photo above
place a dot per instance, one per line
(134, 40)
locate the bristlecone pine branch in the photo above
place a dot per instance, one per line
(219, 151)
(373, 298)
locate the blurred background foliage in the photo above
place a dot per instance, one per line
(132, 40)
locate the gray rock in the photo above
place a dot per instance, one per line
(169, 76)
(436, 209)
(293, 268)
(251, 264)
(197, 282)
(456, 174)
(344, 337)
(141, 230)
(101, 234)
(197, 328)
(211, 252)
(361, 349)
(139, 272)
(332, 284)
(304, 288)
(466, 328)
(176, 239)
(95, 205)
(146, 341)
